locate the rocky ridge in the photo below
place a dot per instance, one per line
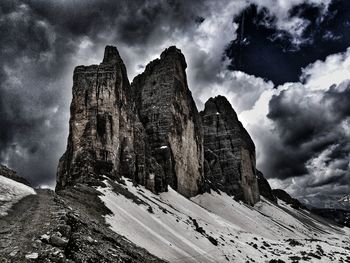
(151, 131)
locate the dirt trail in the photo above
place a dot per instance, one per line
(30, 218)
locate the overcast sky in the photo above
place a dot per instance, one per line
(283, 64)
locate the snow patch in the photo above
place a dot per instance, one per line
(32, 256)
(215, 228)
(11, 192)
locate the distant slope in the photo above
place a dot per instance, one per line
(215, 228)
(338, 216)
(11, 174)
(11, 192)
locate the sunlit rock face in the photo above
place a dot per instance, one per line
(229, 152)
(101, 123)
(169, 115)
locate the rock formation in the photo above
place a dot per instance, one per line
(172, 124)
(265, 188)
(100, 123)
(150, 131)
(106, 136)
(229, 152)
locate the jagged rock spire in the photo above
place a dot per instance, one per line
(111, 55)
(172, 124)
(99, 121)
(229, 152)
(151, 131)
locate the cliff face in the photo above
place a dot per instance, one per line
(106, 136)
(229, 152)
(150, 131)
(169, 115)
(100, 126)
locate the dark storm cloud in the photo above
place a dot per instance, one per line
(267, 51)
(313, 130)
(39, 45)
(41, 42)
(132, 21)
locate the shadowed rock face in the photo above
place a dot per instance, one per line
(229, 152)
(169, 115)
(265, 188)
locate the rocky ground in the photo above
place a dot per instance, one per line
(50, 228)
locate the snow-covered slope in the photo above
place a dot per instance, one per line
(215, 228)
(11, 192)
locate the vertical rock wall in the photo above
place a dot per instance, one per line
(151, 132)
(172, 125)
(229, 152)
(100, 124)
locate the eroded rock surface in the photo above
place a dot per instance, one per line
(100, 123)
(229, 152)
(150, 132)
(172, 124)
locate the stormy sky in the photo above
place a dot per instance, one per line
(283, 64)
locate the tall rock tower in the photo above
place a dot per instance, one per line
(150, 132)
(174, 140)
(229, 152)
(100, 121)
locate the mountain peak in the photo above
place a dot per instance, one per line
(152, 132)
(174, 53)
(111, 55)
(229, 154)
